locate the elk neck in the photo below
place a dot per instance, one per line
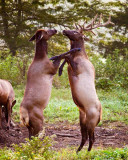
(79, 44)
(41, 49)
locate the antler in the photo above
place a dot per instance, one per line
(93, 24)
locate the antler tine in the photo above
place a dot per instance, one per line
(91, 26)
(101, 15)
(92, 22)
(109, 21)
(84, 23)
(94, 19)
(76, 26)
(81, 28)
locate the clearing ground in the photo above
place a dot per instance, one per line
(115, 135)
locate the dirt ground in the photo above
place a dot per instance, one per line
(113, 135)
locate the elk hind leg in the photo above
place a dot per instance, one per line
(84, 131)
(35, 126)
(91, 139)
(92, 122)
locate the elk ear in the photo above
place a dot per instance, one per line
(13, 103)
(39, 36)
(33, 38)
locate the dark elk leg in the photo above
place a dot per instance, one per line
(5, 112)
(30, 130)
(35, 124)
(56, 64)
(84, 131)
(61, 68)
(8, 114)
(91, 139)
(69, 61)
(34, 129)
(57, 59)
(66, 53)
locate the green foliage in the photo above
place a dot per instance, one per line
(62, 108)
(9, 70)
(34, 148)
(97, 154)
(112, 71)
(37, 149)
(14, 69)
(114, 104)
(20, 19)
(31, 149)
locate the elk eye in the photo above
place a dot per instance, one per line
(75, 32)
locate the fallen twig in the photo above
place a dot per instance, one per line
(65, 135)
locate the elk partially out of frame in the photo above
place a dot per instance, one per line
(81, 75)
(7, 100)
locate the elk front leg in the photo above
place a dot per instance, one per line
(5, 110)
(61, 68)
(56, 64)
(72, 64)
(9, 113)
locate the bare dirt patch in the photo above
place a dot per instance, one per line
(68, 135)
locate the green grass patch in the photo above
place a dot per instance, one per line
(114, 104)
(61, 106)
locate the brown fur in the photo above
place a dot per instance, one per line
(81, 75)
(39, 84)
(7, 97)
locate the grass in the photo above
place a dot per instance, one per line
(37, 149)
(61, 106)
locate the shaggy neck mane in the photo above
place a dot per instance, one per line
(41, 49)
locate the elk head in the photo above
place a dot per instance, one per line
(75, 35)
(43, 34)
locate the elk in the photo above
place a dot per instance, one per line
(39, 83)
(81, 75)
(7, 99)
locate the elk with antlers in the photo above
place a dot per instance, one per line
(81, 75)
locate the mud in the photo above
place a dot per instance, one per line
(112, 135)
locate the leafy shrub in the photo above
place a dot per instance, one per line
(34, 149)
(110, 72)
(14, 69)
(9, 70)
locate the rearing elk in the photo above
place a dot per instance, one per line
(39, 83)
(81, 75)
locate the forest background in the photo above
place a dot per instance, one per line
(107, 50)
